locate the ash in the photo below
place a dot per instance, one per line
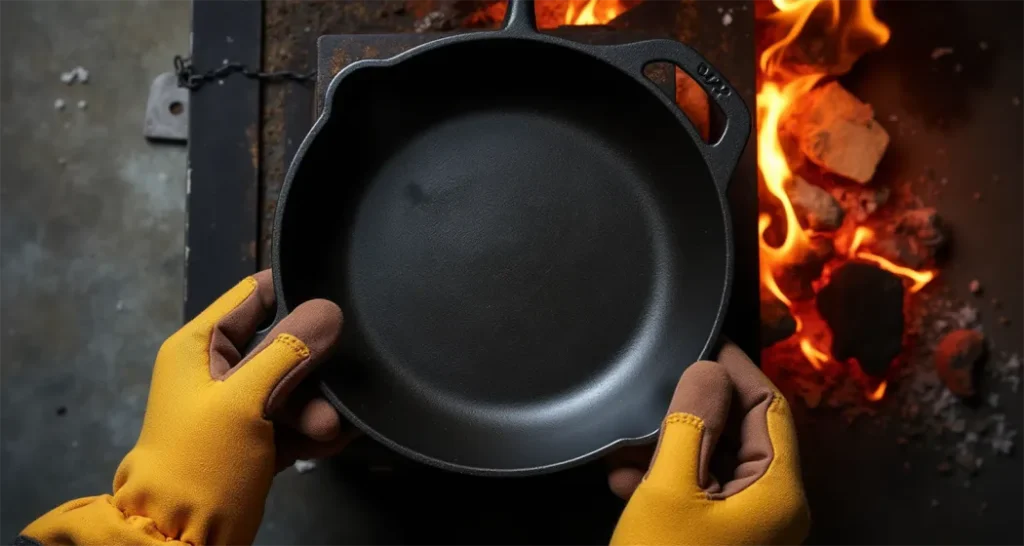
(965, 431)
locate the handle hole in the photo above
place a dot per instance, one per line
(707, 117)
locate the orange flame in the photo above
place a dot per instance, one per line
(813, 355)
(864, 234)
(851, 30)
(859, 31)
(878, 393)
(592, 12)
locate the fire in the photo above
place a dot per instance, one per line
(592, 12)
(814, 356)
(850, 30)
(772, 103)
(864, 234)
(878, 393)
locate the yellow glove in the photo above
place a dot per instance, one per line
(681, 502)
(202, 467)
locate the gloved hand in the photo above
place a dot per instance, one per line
(203, 464)
(679, 501)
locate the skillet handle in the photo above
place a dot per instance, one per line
(520, 17)
(723, 155)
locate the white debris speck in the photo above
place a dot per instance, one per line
(941, 52)
(893, 117)
(220, 82)
(67, 124)
(720, 9)
(307, 29)
(74, 443)
(935, 503)
(58, 104)
(119, 305)
(727, 19)
(303, 466)
(62, 161)
(983, 45)
(966, 316)
(162, 178)
(1002, 437)
(944, 181)
(958, 68)
(82, 105)
(993, 400)
(229, 39)
(76, 74)
(1015, 101)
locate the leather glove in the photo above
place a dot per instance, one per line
(207, 453)
(680, 501)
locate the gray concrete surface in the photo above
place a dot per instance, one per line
(91, 243)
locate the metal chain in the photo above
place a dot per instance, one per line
(190, 79)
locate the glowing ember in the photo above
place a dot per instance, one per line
(592, 12)
(878, 393)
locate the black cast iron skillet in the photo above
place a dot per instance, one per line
(529, 241)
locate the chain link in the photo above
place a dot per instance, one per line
(190, 79)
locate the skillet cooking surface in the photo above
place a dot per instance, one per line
(528, 253)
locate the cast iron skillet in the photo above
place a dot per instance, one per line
(530, 243)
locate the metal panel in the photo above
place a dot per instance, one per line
(223, 153)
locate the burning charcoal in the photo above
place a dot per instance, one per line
(863, 306)
(777, 323)
(838, 132)
(862, 201)
(795, 278)
(817, 209)
(955, 359)
(916, 240)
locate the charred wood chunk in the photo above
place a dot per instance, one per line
(956, 359)
(817, 209)
(777, 323)
(918, 239)
(795, 277)
(838, 132)
(863, 306)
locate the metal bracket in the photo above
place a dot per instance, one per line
(167, 110)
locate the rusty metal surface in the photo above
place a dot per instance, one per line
(223, 154)
(290, 31)
(335, 52)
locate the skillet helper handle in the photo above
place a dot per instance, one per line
(520, 18)
(722, 155)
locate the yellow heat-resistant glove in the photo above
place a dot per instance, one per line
(679, 501)
(207, 453)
